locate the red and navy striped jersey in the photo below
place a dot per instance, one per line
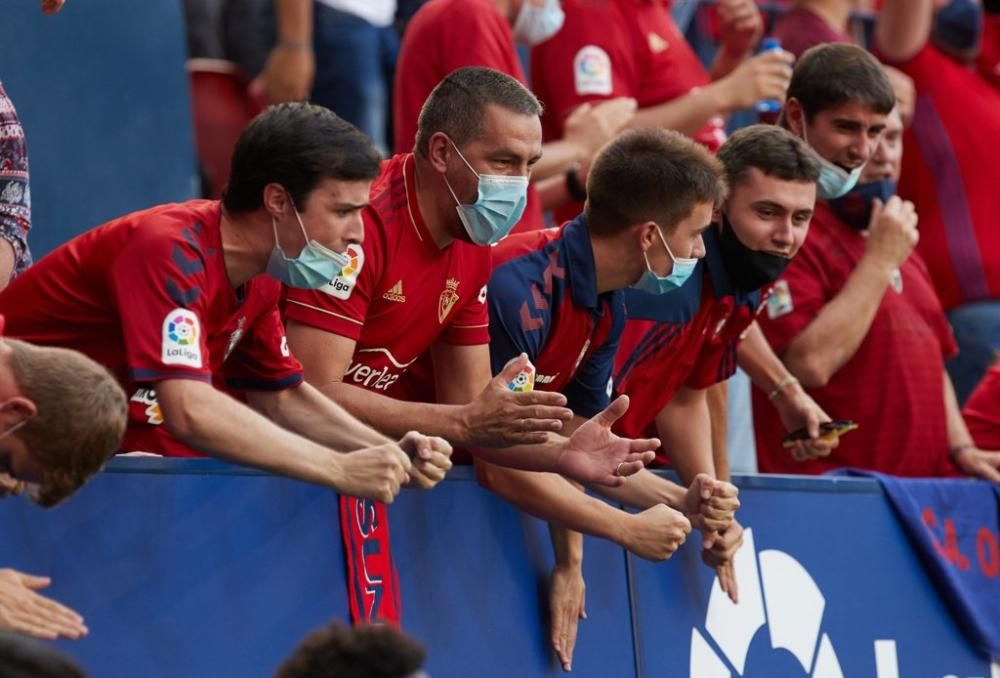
(543, 301)
(685, 338)
(147, 295)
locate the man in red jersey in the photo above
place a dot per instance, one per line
(854, 317)
(630, 48)
(949, 170)
(418, 284)
(173, 301)
(448, 34)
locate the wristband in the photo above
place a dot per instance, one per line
(780, 386)
(576, 190)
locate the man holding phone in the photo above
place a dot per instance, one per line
(855, 316)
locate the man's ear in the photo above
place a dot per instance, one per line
(646, 234)
(17, 408)
(276, 200)
(794, 116)
(439, 150)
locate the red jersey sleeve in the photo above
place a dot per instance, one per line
(982, 411)
(342, 306)
(797, 298)
(161, 286)
(261, 360)
(590, 58)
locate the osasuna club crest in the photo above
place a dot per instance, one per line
(448, 298)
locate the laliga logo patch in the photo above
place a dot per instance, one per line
(592, 71)
(782, 595)
(524, 381)
(342, 286)
(180, 345)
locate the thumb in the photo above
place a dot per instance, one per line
(812, 425)
(513, 367)
(33, 582)
(613, 412)
(580, 111)
(706, 486)
(877, 207)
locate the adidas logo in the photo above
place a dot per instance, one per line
(395, 293)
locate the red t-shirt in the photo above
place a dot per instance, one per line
(400, 293)
(616, 48)
(982, 411)
(799, 29)
(893, 385)
(950, 172)
(686, 338)
(443, 36)
(147, 295)
(988, 61)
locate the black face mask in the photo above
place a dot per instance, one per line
(748, 269)
(855, 208)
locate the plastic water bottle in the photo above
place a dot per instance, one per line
(769, 105)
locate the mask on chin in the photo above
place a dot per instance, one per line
(855, 208)
(834, 181)
(748, 269)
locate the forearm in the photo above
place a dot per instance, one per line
(395, 418)
(7, 261)
(212, 423)
(543, 457)
(306, 411)
(553, 192)
(557, 157)
(755, 357)
(830, 340)
(686, 114)
(294, 22)
(684, 428)
(566, 545)
(552, 498)
(903, 28)
(958, 433)
(643, 490)
(718, 410)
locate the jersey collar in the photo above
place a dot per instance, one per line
(580, 264)
(413, 214)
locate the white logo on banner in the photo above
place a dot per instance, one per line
(782, 595)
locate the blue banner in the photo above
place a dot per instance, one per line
(954, 525)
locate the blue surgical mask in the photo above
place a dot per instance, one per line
(314, 267)
(498, 208)
(535, 24)
(659, 284)
(855, 208)
(834, 181)
(959, 25)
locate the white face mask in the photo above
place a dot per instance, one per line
(834, 181)
(535, 24)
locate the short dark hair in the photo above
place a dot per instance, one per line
(362, 652)
(22, 657)
(774, 151)
(296, 145)
(832, 74)
(650, 175)
(457, 105)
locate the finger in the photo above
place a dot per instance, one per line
(645, 445)
(705, 485)
(57, 612)
(539, 425)
(724, 490)
(34, 582)
(33, 628)
(549, 398)
(709, 538)
(729, 504)
(441, 446)
(513, 367)
(609, 415)
(984, 470)
(531, 409)
(629, 468)
(527, 438)
(569, 643)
